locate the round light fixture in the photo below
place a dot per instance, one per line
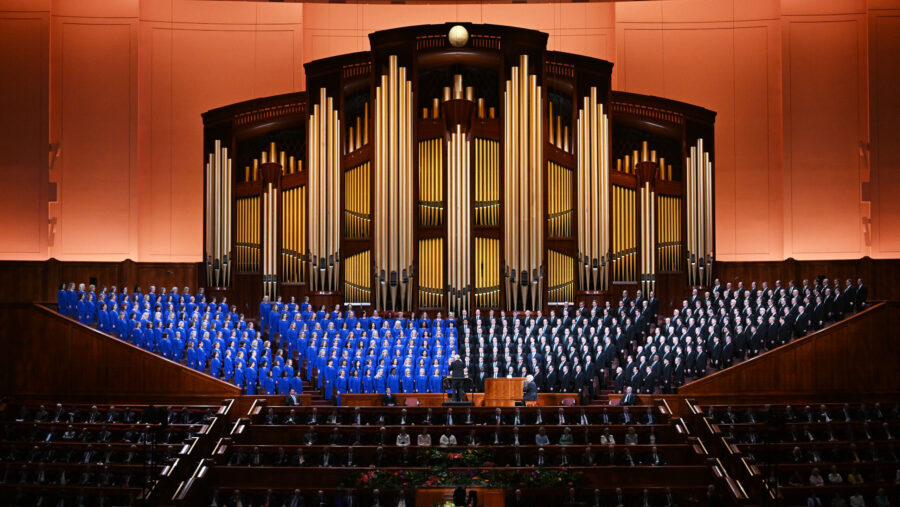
(458, 36)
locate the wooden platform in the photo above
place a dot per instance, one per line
(434, 400)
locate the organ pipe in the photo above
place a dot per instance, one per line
(358, 278)
(624, 248)
(324, 195)
(431, 184)
(431, 273)
(487, 182)
(698, 190)
(218, 217)
(561, 278)
(270, 240)
(669, 240)
(523, 202)
(393, 189)
(293, 234)
(487, 273)
(248, 240)
(357, 218)
(593, 186)
(648, 238)
(459, 224)
(559, 200)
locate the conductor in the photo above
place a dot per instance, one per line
(457, 377)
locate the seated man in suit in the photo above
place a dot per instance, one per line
(388, 400)
(629, 398)
(292, 400)
(530, 389)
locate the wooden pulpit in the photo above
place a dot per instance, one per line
(502, 392)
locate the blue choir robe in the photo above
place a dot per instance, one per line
(250, 380)
(228, 368)
(283, 385)
(408, 384)
(147, 343)
(368, 385)
(435, 383)
(330, 373)
(297, 384)
(268, 385)
(355, 385)
(379, 384)
(264, 309)
(103, 322)
(421, 383)
(393, 383)
(215, 367)
(340, 385)
(192, 358)
(289, 370)
(165, 348)
(239, 377)
(62, 302)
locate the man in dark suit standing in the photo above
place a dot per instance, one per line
(530, 388)
(291, 399)
(457, 377)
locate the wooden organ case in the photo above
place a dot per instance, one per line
(437, 175)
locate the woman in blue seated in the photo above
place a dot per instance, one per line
(267, 384)
(297, 382)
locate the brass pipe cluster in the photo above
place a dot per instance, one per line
(592, 131)
(698, 190)
(218, 217)
(324, 197)
(487, 182)
(431, 182)
(358, 278)
(624, 234)
(293, 234)
(559, 200)
(357, 218)
(431, 273)
(248, 244)
(560, 278)
(487, 273)
(669, 238)
(523, 189)
(393, 204)
(358, 135)
(558, 134)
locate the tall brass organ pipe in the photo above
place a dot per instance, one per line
(487, 182)
(559, 195)
(248, 243)
(358, 278)
(394, 111)
(431, 273)
(561, 278)
(522, 193)
(698, 190)
(487, 273)
(648, 238)
(459, 223)
(668, 232)
(357, 218)
(624, 247)
(293, 234)
(324, 195)
(431, 182)
(593, 193)
(270, 240)
(218, 217)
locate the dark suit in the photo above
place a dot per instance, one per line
(531, 392)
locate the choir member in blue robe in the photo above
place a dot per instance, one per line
(215, 365)
(267, 384)
(435, 381)
(228, 365)
(165, 346)
(368, 383)
(283, 383)
(264, 308)
(135, 336)
(297, 383)
(355, 383)
(393, 381)
(62, 303)
(191, 356)
(250, 378)
(408, 383)
(378, 382)
(422, 381)
(239, 375)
